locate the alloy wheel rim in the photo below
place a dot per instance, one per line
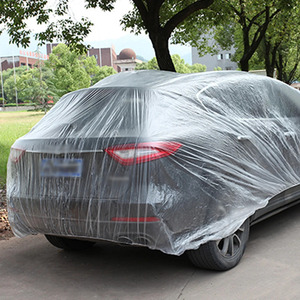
(229, 246)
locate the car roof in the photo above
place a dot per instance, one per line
(170, 80)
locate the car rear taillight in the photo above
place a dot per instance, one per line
(16, 154)
(143, 152)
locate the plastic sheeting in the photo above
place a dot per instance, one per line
(165, 160)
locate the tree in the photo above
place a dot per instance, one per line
(71, 71)
(288, 61)
(10, 72)
(179, 63)
(281, 45)
(142, 66)
(37, 85)
(10, 88)
(253, 18)
(150, 65)
(239, 23)
(102, 73)
(33, 84)
(196, 68)
(158, 18)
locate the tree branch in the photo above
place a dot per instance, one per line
(252, 21)
(292, 73)
(259, 34)
(275, 13)
(143, 11)
(238, 13)
(183, 14)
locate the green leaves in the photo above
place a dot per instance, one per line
(69, 70)
(179, 63)
(102, 73)
(106, 5)
(14, 15)
(62, 7)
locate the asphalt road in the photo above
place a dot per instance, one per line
(31, 268)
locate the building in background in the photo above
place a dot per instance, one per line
(104, 56)
(8, 62)
(296, 85)
(125, 61)
(212, 62)
(26, 58)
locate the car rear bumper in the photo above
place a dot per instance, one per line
(94, 219)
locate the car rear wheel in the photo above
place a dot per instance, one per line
(68, 244)
(223, 254)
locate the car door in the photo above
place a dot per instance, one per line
(283, 125)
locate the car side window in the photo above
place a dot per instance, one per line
(235, 100)
(285, 101)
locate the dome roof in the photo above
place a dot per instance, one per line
(127, 53)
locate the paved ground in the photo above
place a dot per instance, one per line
(30, 268)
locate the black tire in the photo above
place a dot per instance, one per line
(67, 243)
(223, 254)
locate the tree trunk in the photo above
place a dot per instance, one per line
(244, 63)
(273, 62)
(161, 47)
(268, 60)
(268, 66)
(280, 68)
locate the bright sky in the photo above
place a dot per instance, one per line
(106, 24)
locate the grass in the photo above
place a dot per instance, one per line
(12, 126)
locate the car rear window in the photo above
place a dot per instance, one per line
(102, 112)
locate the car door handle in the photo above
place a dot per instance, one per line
(242, 138)
(290, 134)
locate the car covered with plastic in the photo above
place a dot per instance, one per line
(175, 162)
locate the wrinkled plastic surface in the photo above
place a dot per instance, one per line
(238, 139)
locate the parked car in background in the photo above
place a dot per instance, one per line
(175, 162)
(296, 85)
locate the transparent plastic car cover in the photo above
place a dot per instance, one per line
(165, 160)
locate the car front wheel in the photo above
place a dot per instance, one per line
(224, 254)
(67, 243)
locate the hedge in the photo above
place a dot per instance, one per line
(14, 104)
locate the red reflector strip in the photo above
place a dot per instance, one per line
(145, 219)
